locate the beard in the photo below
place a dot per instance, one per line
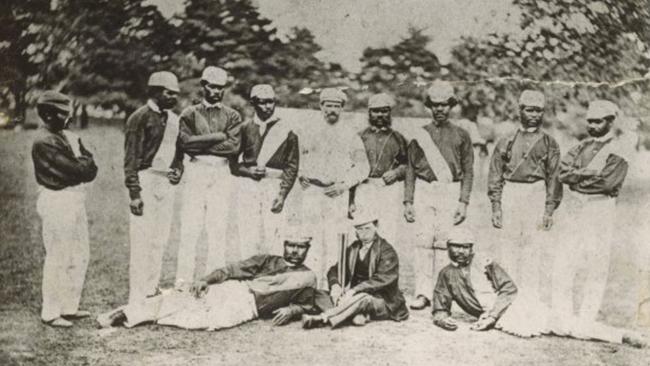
(593, 132)
(380, 122)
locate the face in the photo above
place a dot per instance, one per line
(366, 232)
(531, 116)
(264, 108)
(460, 253)
(380, 117)
(598, 127)
(440, 110)
(213, 93)
(295, 252)
(57, 120)
(331, 110)
(166, 99)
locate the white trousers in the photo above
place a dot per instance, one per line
(522, 238)
(384, 201)
(585, 245)
(65, 237)
(435, 205)
(150, 233)
(206, 197)
(323, 218)
(259, 228)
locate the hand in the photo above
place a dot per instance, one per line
(174, 176)
(335, 190)
(303, 182)
(199, 288)
(389, 177)
(461, 213)
(277, 205)
(83, 150)
(484, 322)
(447, 323)
(335, 293)
(409, 212)
(284, 315)
(547, 222)
(347, 295)
(497, 216)
(352, 208)
(136, 206)
(255, 173)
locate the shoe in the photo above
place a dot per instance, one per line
(111, 319)
(312, 321)
(419, 303)
(636, 340)
(59, 323)
(446, 324)
(359, 320)
(80, 314)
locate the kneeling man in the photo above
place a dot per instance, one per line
(368, 288)
(264, 286)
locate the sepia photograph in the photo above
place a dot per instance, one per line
(325, 182)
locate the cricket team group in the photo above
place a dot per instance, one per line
(364, 185)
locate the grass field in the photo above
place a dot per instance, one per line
(24, 340)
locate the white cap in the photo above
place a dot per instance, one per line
(296, 235)
(333, 95)
(380, 100)
(164, 79)
(601, 108)
(460, 235)
(363, 217)
(215, 75)
(532, 98)
(262, 91)
(441, 91)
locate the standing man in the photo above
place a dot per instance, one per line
(269, 168)
(332, 161)
(62, 166)
(370, 290)
(210, 136)
(442, 157)
(152, 168)
(594, 171)
(523, 177)
(386, 153)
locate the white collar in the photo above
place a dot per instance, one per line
(153, 106)
(259, 122)
(528, 129)
(605, 138)
(217, 105)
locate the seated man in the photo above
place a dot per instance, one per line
(264, 286)
(485, 290)
(369, 289)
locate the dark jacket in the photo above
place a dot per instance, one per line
(384, 276)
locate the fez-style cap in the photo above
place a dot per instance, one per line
(215, 75)
(532, 98)
(380, 100)
(164, 79)
(601, 108)
(460, 235)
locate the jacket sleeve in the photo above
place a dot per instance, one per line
(386, 274)
(292, 161)
(133, 145)
(610, 178)
(567, 168)
(495, 179)
(467, 164)
(81, 169)
(333, 276)
(414, 154)
(553, 185)
(442, 298)
(402, 157)
(232, 142)
(504, 287)
(192, 143)
(243, 270)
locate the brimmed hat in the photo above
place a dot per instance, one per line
(262, 91)
(164, 79)
(363, 217)
(214, 75)
(56, 100)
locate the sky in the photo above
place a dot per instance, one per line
(344, 28)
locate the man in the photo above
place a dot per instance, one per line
(523, 176)
(371, 287)
(269, 168)
(594, 171)
(263, 286)
(332, 161)
(210, 136)
(62, 166)
(442, 157)
(152, 168)
(483, 289)
(386, 153)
